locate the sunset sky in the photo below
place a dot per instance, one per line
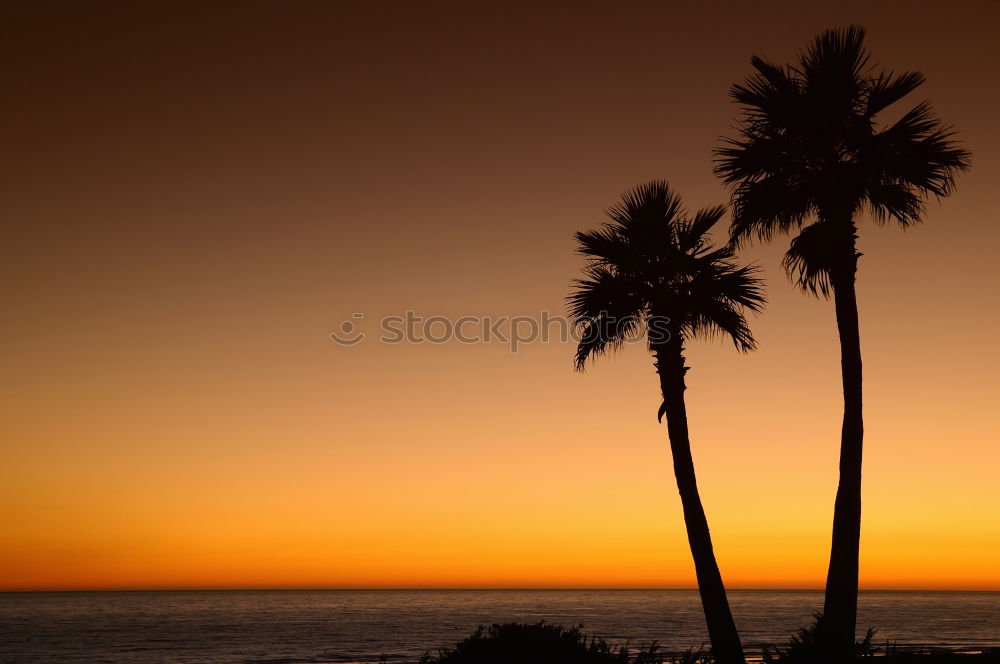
(195, 195)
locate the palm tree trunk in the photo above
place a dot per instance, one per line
(840, 607)
(722, 633)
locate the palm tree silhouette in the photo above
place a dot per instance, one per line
(810, 149)
(652, 269)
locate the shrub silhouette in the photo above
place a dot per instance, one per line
(815, 645)
(539, 643)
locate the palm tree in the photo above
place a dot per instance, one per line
(810, 149)
(652, 269)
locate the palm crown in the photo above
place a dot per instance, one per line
(652, 262)
(809, 145)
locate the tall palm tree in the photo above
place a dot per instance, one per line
(651, 268)
(811, 152)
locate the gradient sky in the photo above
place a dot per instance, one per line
(196, 194)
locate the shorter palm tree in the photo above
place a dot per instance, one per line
(652, 269)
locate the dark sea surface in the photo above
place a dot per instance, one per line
(290, 627)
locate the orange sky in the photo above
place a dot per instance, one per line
(194, 197)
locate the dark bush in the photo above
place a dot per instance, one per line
(519, 643)
(811, 645)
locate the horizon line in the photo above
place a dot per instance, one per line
(112, 589)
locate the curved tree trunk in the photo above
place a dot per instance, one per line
(840, 606)
(722, 633)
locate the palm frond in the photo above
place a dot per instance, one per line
(739, 286)
(605, 245)
(836, 59)
(886, 89)
(894, 200)
(762, 208)
(812, 255)
(809, 148)
(691, 234)
(754, 156)
(652, 261)
(770, 96)
(917, 150)
(605, 308)
(719, 319)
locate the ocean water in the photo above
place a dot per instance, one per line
(299, 627)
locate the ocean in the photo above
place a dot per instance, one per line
(299, 627)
